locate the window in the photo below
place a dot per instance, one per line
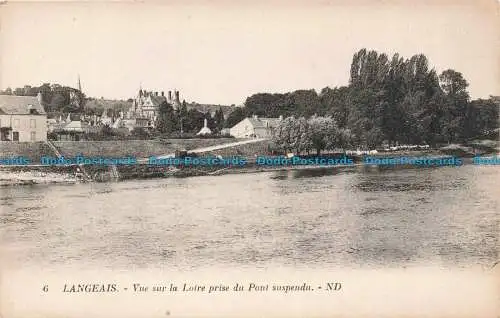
(32, 123)
(15, 135)
(33, 136)
(16, 123)
(4, 135)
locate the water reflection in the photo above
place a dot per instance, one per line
(326, 217)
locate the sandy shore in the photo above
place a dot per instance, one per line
(9, 178)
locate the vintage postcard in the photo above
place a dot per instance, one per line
(249, 159)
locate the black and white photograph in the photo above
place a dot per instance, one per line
(249, 158)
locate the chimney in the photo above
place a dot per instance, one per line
(162, 93)
(169, 95)
(156, 93)
(177, 95)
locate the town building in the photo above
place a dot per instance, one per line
(145, 108)
(22, 119)
(147, 104)
(72, 131)
(255, 127)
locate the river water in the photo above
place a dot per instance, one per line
(353, 218)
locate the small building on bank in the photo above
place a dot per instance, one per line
(255, 127)
(22, 119)
(72, 131)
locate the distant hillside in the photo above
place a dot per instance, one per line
(211, 108)
(98, 106)
(95, 105)
(495, 99)
(55, 97)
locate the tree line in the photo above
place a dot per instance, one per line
(172, 122)
(55, 97)
(316, 133)
(394, 99)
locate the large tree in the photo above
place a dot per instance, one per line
(194, 121)
(237, 115)
(165, 123)
(453, 121)
(323, 133)
(219, 119)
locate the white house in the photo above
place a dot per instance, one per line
(255, 127)
(22, 118)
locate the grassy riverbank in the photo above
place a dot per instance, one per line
(22, 175)
(134, 148)
(32, 174)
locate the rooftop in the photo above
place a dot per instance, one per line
(158, 100)
(19, 105)
(263, 122)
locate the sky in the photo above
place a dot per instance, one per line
(221, 52)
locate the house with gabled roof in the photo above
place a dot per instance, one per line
(22, 119)
(147, 104)
(255, 127)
